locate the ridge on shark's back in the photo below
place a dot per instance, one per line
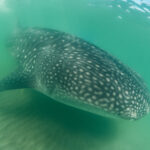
(75, 72)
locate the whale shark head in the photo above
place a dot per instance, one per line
(77, 73)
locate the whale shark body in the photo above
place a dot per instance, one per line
(77, 73)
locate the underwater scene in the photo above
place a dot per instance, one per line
(74, 74)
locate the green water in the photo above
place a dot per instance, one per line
(32, 121)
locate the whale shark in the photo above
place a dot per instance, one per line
(75, 72)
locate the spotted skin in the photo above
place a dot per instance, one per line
(77, 73)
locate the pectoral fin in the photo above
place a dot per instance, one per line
(16, 80)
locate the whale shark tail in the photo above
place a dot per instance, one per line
(16, 80)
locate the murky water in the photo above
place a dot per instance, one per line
(32, 121)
